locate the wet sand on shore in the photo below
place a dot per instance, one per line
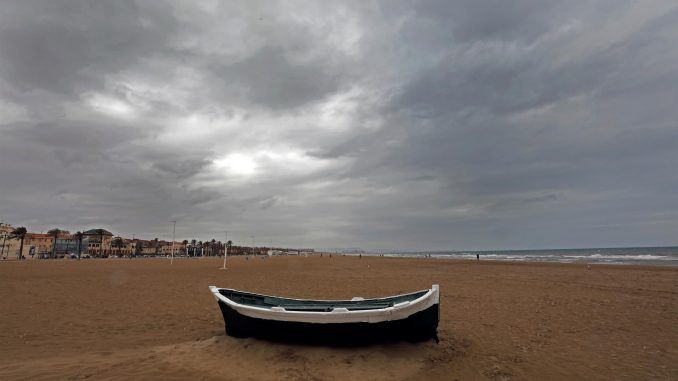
(146, 319)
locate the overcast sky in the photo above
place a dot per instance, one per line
(413, 125)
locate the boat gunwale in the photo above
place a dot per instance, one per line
(395, 312)
(428, 290)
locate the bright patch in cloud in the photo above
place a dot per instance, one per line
(11, 112)
(292, 161)
(237, 164)
(109, 105)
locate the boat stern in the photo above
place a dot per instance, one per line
(436, 293)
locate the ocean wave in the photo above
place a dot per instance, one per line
(641, 257)
(591, 257)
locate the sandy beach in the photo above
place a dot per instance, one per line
(147, 319)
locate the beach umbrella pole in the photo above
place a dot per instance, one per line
(225, 253)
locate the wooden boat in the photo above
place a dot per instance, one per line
(412, 317)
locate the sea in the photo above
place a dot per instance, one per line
(658, 256)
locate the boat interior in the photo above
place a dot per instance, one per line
(357, 304)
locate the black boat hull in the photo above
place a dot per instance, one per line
(420, 326)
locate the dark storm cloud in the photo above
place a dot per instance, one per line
(433, 124)
(69, 46)
(268, 78)
(472, 21)
(181, 168)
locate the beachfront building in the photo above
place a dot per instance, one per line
(8, 245)
(38, 245)
(166, 248)
(133, 247)
(130, 247)
(121, 247)
(143, 247)
(153, 247)
(41, 245)
(98, 242)
(150, 247)
(101, 243)
(67, 244)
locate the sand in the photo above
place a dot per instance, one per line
(147, 319)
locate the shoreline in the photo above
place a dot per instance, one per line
(582, 262)
(530, 259)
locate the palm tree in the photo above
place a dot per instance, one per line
(78, 237)
(156, 246)
(19, 233)
(229, 243)
(138, 248)
(118, 243)
(193, 247)
(4, 235)
(200, 246)
(185, 243)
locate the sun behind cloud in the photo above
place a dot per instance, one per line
(237, 164)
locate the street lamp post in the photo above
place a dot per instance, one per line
(174, 229)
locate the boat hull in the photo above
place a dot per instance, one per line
(419, 326)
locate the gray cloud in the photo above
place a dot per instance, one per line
(433, 124)
(268, 78)
(69, 47)
(181, 168)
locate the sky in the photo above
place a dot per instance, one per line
(412, 125)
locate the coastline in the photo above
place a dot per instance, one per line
(467, 258)
(654, 256)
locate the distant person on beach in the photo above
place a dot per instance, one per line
(478, 257)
